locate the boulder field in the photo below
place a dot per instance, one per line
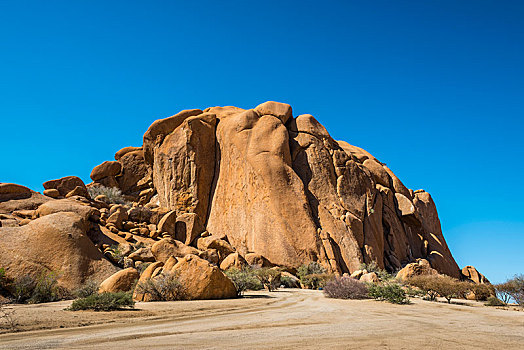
(220, 187)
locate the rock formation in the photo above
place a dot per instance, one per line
(225, 187)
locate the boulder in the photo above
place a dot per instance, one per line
(167, 223)
(203, 280)
(78, 191)
(280, 110)
(233, 260)
(135, 174)
(471, 273)
(107, 168)
(64, 185)
(142, 254)
(125, 151)
(421, 267)
(188, 228)
(10, 191)
(223, 248)
(121, 281)
(52, 192)
(167, 247)
(56, 242)
(117, 217)
(257, 260)
(68, 205)
(370, 277)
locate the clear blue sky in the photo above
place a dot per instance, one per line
(435, 89)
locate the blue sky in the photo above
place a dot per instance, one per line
(435, 89)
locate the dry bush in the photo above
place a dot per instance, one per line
(164, 287)
(7, 313)
(113, 194)
(313, 275)
(435, 285)
(482, 291)
(104, 302)
(345, 288)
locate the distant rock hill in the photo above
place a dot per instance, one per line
(259, 186)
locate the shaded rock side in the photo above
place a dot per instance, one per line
(184, 164)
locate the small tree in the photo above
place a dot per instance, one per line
(511, 289)
(445, 286)
(313, 275)
(504, 291)
(270, 278)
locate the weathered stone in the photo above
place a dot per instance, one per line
(421, 267)
(202, 280)
(64, 185)
(107, 168)
(167, 247)
(122, 281)
(233, 260)
(472, 274)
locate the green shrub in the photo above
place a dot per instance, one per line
(382, 274)
(315, 281)
(345, 288)
(164, 287)
(244, 279)
(104, 302)
(310, 269)
(4, 282)
(89, 288)
(313, 275)
(391, 292)
(269, 277)
(494, 301)
(289, 282)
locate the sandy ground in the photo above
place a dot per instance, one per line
(285, 319)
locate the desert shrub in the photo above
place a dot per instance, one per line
(391, 292)
(316, 280)
(89, 288)
(434, 285)
(288, 282)
(113, 194)
(104, 302)
(313, 268)
(23, 288)
(494, 301)
(313, 275)
(164, 287)
(414, 292)
(345, 288)
(4, 282)
(244, 279)
(382, 274)
(44, 289)
(7, 313)
(269, 278)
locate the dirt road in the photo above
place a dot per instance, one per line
(286, 319)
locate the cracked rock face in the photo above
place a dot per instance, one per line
(281, 187)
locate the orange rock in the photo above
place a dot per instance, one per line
(121, 281)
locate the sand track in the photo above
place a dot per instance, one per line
(285, 319)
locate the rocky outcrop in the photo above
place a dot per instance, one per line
(419, 268)
(256, 186)
(53, 243)
(471, 274)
